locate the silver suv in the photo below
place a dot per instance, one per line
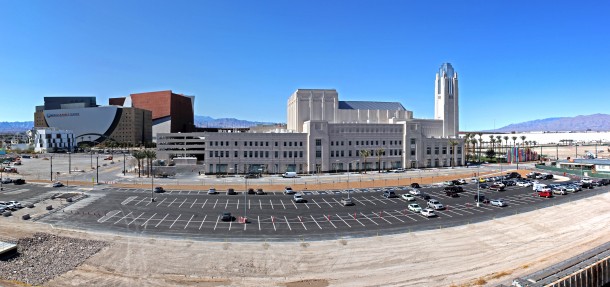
(433, 203)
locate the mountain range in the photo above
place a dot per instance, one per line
(595, 122)
(200, 121)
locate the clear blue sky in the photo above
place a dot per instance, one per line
(517, 61)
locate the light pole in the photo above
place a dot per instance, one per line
(557, 153)
(51, 168)
(124, 167)
(69, 162)
(245, 200)
(152, 185)
(1, 179)
(478, 185)
(97, 169)
(576, 155)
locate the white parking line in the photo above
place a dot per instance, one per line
(390, 200)
(338, 202)
(140, 201)
(122, 218)
(380, 200)
(359, 201)
(316, 203)
(390, 214)
(327, 202)
(237, 205)
(404, 213)
(301, 220)
(128, 200)
(273, 222)
(135, 219)
(330, 221)
(287, 223)
(182, 203)
(230, 223)
(106, 217)
(175, 220)
(380, 215)
(249, 204)
(149, 202)
(161, 201)
(193, 203)
(283, 203)
(258, 219)
(162, 220)
(260, 204)
(217, 218)
(270, 202)
(314, 220)
(215, 203)
(343, 221)
(295, 205)
(187, 224)
(354, 217)
(198, 191)
(206, 216)
(189, 192)
(364, 198)
(369, 218)
(227, 204)
(206, 201)
(443, 212)
(146, 222)
(172, 202)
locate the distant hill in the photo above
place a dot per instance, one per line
(15, 127)
(209, 122)
(596, 122)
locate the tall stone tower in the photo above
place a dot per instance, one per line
(446, 100)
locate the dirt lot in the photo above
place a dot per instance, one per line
(486, 253)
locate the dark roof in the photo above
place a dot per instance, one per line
(366, 105)
(587, 161)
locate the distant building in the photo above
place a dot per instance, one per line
(53, 140)
(171, 112)
(92, 123)
(588, 166)
(325, 134)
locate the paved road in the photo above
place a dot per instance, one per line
(195, 214)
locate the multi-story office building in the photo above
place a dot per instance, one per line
(53, 140)
(92, 123)
(325, 134)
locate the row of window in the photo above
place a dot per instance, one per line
(256, 143)
(376, 142)
(390, 152)
(444, 150)
(256, 154)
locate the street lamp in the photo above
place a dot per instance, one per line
(557, 152)
(51, 168)
(97, 169)
(124, 167)
(478, 185)
(152, 184)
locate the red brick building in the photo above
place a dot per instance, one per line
(171, 113)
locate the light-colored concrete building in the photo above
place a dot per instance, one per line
(53, 140)
(324, 134)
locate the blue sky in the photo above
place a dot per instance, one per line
(517, 60)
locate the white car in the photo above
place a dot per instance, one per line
(415, 191)
(433, 203)
(212, 191)
(586, 180)
(17, 204)
(414, 207)
(524, 183)
(58, 184)
(500, 183)
(289, 190)
(298, 198)
(498, 202)
(408, 197)
(428, 212)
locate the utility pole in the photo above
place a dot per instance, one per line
(51, 168)
(97, 169)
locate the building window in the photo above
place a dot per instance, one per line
(236, 154)
(318, 142)
(349, 143)
(413, 152)
(285, 153)
(318, 154)
(267, 154)
(412, 141)
(459, 150)
(301, 154)
(332, 153)
(436, 150)
(276, 143)
(245, 154)
(428, 150)
(277, 154)
(444, 150)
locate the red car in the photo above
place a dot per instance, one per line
(546, 194)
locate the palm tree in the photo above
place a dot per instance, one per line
(139, 156)
(467, 141)
(473, 141)
(150, 156)
(379, 152)
(493, 144)
(514, 140)
(523, 139)
(364, 154)
(453, 143)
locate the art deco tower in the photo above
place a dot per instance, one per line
(446, 100)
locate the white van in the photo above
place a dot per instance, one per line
(538, 186)
(289, 174)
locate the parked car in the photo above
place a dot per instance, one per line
(408, 197)
(498, 202)
(19, 181)
(480, 198)
(424, 196)
(513, 175)
(17, 204)
(524, 183)
(415, 192)
(571, 188)
(212, 191)
(226, 216)
(428, 212)
(231, 191)
(496, 187)
(483, 185)
(454, 188)
(289, 190)
(452, 194)
(251, 191)
(414, 207)
(545, 193)
(58, 184)
(7, 180)
(347, 201)
(158, 189)
(560, 191)
(298, 198)
(433, 203)
(415, 185)
(389, 194)
(260, 192)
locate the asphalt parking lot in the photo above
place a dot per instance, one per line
(195, 214)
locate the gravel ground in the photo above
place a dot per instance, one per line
(44, 256)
